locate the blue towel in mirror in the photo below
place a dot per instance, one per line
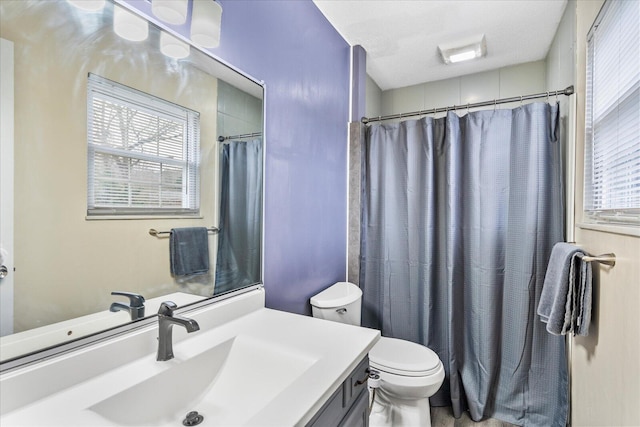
(189, 251)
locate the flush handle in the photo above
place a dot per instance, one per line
(3, 271)
(341, 310)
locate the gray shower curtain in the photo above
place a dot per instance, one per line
(239, 240)
(459, 216)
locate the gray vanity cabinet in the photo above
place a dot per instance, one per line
(349, 405)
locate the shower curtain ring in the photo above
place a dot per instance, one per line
(521, 100)
(467, 108)
(547, 97)
(495, 104)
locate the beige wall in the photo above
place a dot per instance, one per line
(606, 364)
(66, 265)
(504, 82)
(373, 106)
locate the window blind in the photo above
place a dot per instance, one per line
(143, 153)
(612, 146)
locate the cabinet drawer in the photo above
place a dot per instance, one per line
(358, 415)
(331, 413)
(339, 409)
(356, 383)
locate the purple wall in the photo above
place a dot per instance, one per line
(304, 63)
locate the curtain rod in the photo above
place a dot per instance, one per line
(568, 91)
(246, 135)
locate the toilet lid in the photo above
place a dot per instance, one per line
(337, 295)
(403, 358)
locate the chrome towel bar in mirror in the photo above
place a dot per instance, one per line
(157, 233)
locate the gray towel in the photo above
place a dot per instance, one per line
(582, 317)
(189, 251)
(565, 302)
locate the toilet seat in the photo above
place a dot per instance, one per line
(401, 357)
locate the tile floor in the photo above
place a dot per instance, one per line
(443, 417)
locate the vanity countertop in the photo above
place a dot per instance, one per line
(261, 367)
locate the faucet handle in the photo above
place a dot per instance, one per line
(167, 307)
(135, 300)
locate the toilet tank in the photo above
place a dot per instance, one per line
(340, 302)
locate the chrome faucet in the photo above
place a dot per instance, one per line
(166, 320)
(135, 307)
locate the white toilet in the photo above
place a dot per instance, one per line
(409, 373)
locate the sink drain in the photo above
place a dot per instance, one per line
(192, 419)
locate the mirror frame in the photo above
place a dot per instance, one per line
(230, 74)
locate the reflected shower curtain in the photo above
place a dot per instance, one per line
(459, 216)
(239, 240)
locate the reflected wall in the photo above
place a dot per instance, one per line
(66, 264)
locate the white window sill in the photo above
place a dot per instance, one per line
(144, 217)
(627, 230)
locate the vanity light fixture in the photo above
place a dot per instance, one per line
(128, 25)
(173, 47)
(170, 11)
(206, 20)
(88, 5)
(464, 50)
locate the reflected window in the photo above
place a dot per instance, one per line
(143, 153)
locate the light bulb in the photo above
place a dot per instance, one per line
(205, 23)
(88, 5)
(171, 11)
(173, 47)
(129, 26)
(463, 56)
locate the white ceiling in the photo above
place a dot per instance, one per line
(401, 37)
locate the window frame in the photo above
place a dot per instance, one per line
(626, 216)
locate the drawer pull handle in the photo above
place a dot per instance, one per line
(362, 381)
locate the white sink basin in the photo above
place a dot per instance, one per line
(225, 384)
(247, 365)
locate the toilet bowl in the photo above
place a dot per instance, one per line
(409, 373)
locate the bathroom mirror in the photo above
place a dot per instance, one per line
(67, 262)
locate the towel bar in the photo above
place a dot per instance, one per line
(157, 233)
(607, 259)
